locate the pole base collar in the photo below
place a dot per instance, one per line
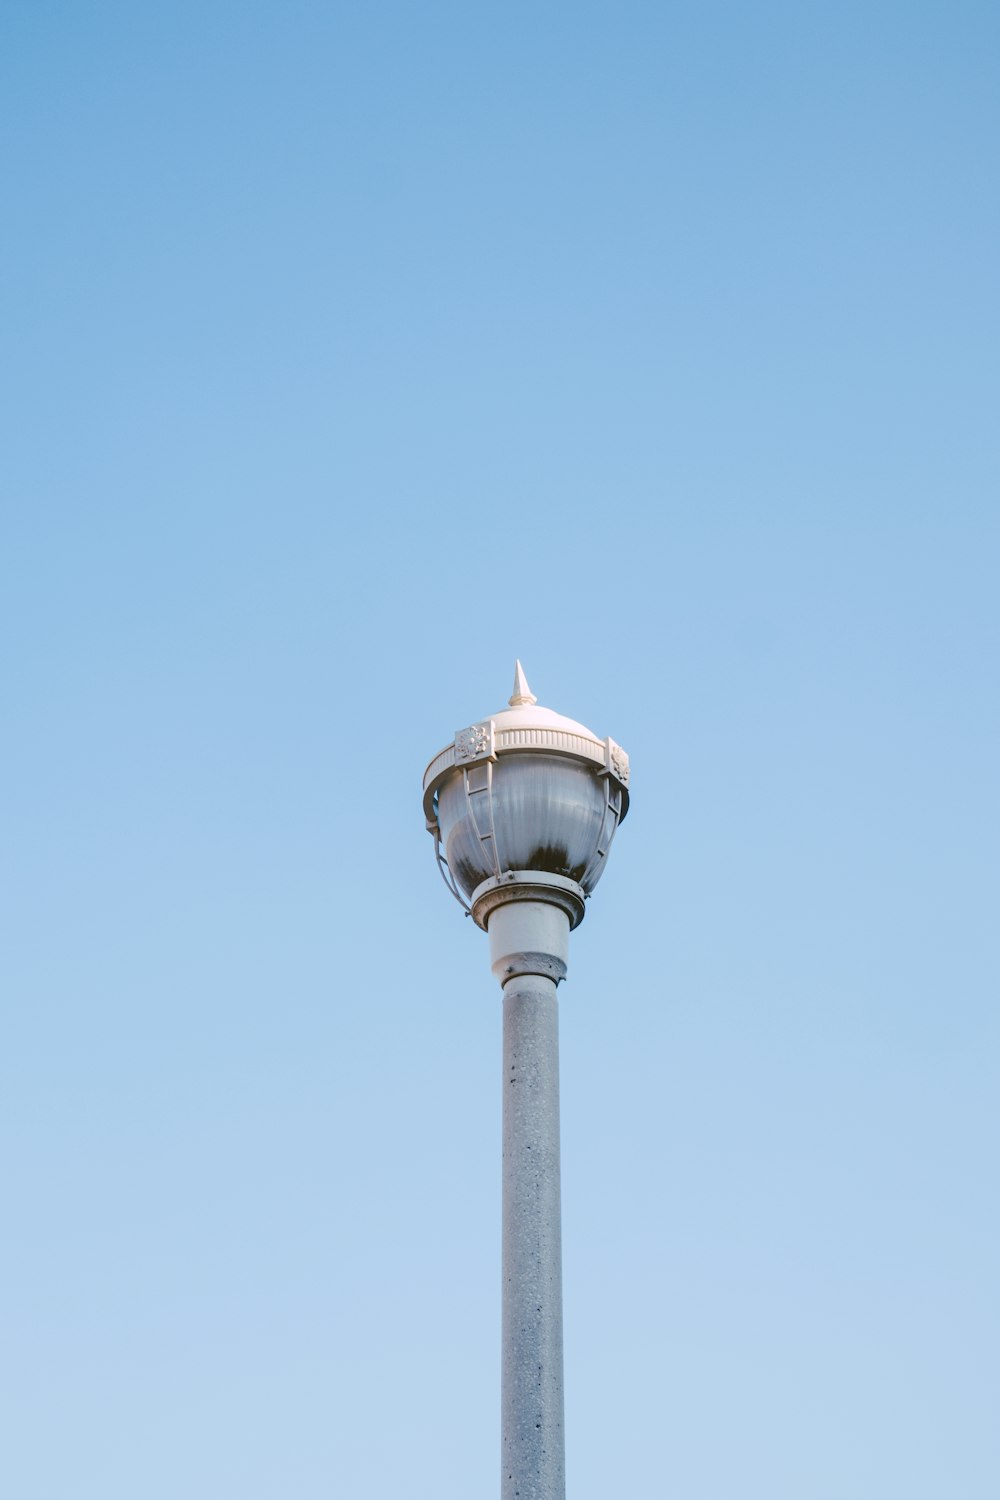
(528, 885)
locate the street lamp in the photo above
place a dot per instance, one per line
(523, 807)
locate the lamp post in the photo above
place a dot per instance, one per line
(523, 807)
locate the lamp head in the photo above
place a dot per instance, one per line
(525, 797)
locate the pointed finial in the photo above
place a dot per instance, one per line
(522, 692)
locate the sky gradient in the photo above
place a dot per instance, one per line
(350, 352)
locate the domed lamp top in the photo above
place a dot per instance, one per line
(524, 712)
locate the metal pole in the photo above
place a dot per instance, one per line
(533, 1451)
(529, 944)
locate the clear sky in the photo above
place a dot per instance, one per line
(348, 352)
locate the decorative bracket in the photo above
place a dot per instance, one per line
(616, 762)
(476, 743)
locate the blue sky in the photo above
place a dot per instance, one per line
(350, 352)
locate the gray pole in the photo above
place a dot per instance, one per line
(531, 1400)
(529, 945)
